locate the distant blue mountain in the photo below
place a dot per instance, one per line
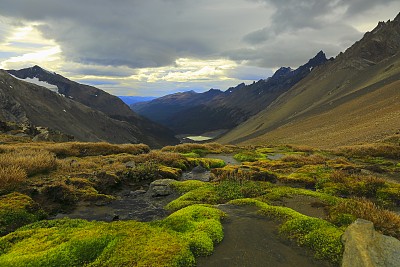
(129, 100)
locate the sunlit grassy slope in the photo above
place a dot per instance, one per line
(331, 107)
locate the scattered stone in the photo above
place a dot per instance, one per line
(199, 169)
(161, 187)
(130, 164)
(364, 247)
(137, 193)
(203, 176)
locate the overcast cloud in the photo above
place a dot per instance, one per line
(154, 47)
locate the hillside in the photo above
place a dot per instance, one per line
(352, 99)
(145, 130)
(25, 102)
(195, 113)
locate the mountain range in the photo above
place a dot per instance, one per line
(196, 113)
(351, 99)
(86, 112)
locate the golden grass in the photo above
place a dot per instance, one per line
(306, 160)
(11, 177)
(165, 158)
(385, 221)
(391, 151)
(32, 161)
(80, 149)
(212, 148)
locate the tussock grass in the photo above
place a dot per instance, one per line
(80, 149)
(11, 177)
(305, 160)
(344, 184)
(170, 159)
(201, 149)
(32, 161)
(301, 148)
(385, 221)
(236, 173)
(391, 151)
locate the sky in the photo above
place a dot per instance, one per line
(157, 47)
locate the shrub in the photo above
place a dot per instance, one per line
(11, 177)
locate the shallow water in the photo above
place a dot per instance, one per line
(252, 240)
(128, 206)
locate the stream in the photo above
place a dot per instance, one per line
(249, 240)
(252, 240)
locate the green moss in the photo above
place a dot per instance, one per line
(171, 242)
(308, 175)
(320, 235)
(17, 210)
(169, 172)
(207, 163)
(202, 195)
(200, 226)
(249, 156)
(191, 155)
(186, 186)
(278, 192)
(389, 195)
(215, 193)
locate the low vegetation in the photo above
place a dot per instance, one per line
(320, 235)
(37, 179)
(174, 241)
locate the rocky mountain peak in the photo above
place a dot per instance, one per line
(379, 44)
(282, 71)
(319, 59)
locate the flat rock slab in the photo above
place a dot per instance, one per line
(364, 247)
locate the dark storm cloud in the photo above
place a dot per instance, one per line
(147, 33)
(153, 33)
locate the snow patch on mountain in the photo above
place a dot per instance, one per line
(36, 81)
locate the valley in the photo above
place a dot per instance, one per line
(293, 166)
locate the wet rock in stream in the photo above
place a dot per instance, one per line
(139, 205)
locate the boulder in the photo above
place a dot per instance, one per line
(199, 169)
(365, 247)
(160, 188)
